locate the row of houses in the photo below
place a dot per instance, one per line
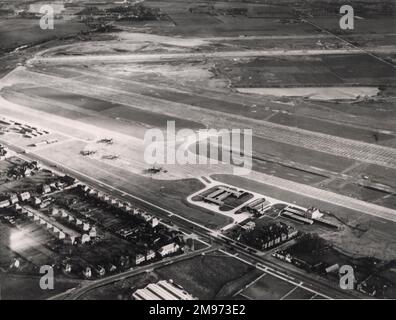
(99, 270)
(282, 256)
(140, 258)
(59, 185)
(42, 203)
(127, 232)
(269, 236)
(14, 198)
(164, 251)
(123, 206)
(88, 271)
(24, 170)
(25, 196)
(57, 229)
(283, 237)
(71, 219)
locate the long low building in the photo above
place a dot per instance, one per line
(258, 206)
(163, 290)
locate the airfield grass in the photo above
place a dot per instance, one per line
(300, 155)
(376, 174)
(356, 191)
(341, 130)
(387, 201)
(303, 71)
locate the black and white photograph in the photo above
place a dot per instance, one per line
(213, 153)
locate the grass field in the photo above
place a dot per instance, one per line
(295, 153)
(356, 191)
(297, 71)
(11, 287)
(268, 287)
(335, 129)
(16, 32)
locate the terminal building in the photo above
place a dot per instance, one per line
(162, 290)
(221, 193)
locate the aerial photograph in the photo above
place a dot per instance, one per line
(209, 150)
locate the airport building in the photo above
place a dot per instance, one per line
(258, 206)
(163, 290)
(308, 216)
(221, 193)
